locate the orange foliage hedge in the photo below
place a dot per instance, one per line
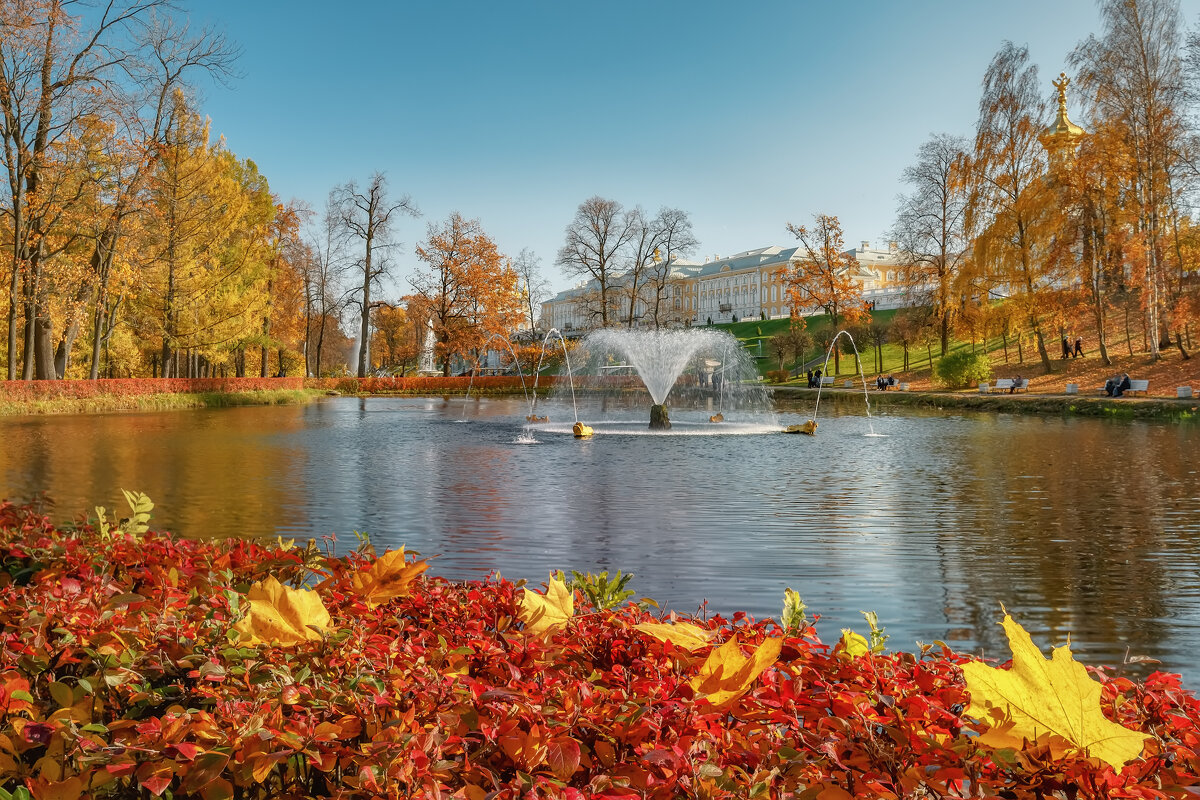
(431, 384)
(121, 675)
(128, 387)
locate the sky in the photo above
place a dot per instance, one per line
(747, 115)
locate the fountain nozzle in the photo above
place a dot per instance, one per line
(809, 428)
(581, 431)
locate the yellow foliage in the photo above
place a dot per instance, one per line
(280, 615)
(727, 674)
(1052, 700)
(681, 634)
(388, 578)
(544, 612)
(853, 644)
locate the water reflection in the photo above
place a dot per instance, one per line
(1087, 527)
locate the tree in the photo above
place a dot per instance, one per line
(533, 286)
(595, 240)
(370, 215)
(930, 227)
(1012, 208)
(469, 288)
(1133, 77)
(675, 238)
(55, 71)
(823, 274)
(323, 272)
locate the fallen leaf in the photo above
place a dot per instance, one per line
(387, 578)
(682, 634)
(281, 615)
(727, 674)
(544, 612)
(1049, 699)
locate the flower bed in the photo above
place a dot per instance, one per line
(430, 384)
(130, 387)
(125, 672)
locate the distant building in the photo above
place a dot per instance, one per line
(748, 285)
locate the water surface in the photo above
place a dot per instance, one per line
(1080, 526)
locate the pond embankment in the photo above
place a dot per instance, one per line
(1025, 403)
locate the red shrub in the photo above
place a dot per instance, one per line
(118, 678)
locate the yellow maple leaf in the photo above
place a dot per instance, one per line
(854, 644)
(727, 674)
(683, 634)
(544, 612)
(1049, 699)
(387, 578)
(280, 615)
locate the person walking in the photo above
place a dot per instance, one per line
(1066, 347)
(1078, 346)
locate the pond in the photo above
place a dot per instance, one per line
(1078, 526)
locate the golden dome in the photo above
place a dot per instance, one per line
(1062, 131)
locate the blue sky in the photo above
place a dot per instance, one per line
(746, 115)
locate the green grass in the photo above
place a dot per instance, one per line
(157, 402)
(749, 331)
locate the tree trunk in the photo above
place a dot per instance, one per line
(1179, 344)
(43, 349)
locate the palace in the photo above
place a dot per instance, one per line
(747, 285)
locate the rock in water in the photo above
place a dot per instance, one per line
(659, 419)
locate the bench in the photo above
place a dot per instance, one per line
(1135, 387)
(1007, 384)
(827, 380)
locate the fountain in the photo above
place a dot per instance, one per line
(629, 369)
(810, 427)
(486, 346)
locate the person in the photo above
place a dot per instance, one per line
(1078, 346)
(879, 383)
(1066, 347)
(1122, 386)
(1016, 382)
(810, 385)
(891, 381)
(817, 378)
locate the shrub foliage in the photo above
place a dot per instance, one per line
(962, 369)
(122, 675)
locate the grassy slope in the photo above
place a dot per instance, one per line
(1088, 371)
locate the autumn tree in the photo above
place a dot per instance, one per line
(930, 228)
(470, 289)
(56, 70)
(822, 274)
(1133, 82)
(204, 250)
(369, 215)
(595, 241)
(1012, 207)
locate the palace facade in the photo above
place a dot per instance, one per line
(746, 285)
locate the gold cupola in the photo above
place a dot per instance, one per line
(1062, 136)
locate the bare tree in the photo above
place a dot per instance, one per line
(595, 239)
(369, 215)
(533, 286)
(675, 237)
(930, 227)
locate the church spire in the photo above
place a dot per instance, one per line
(1061, 138)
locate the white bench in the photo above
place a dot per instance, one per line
(1134, 386)
(827, 380)
(1003, 384)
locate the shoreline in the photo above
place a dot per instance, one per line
(1162, 408)
(159, 401)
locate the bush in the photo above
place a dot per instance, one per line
(778, 375)
(962, 369)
